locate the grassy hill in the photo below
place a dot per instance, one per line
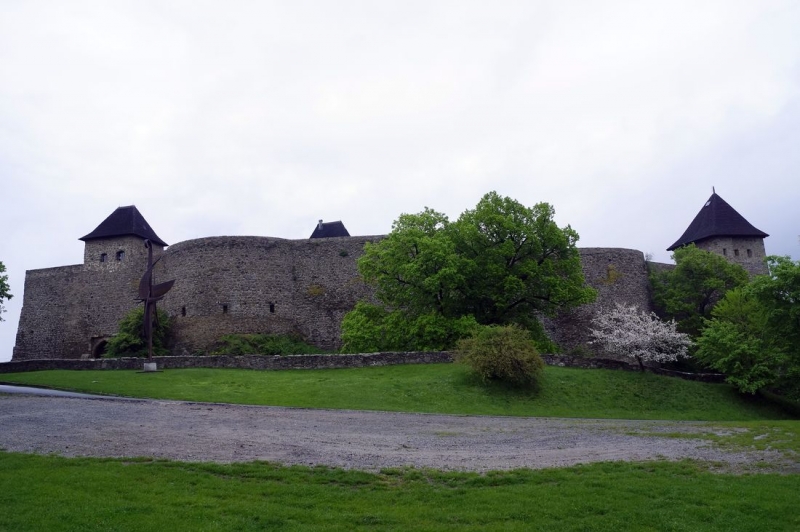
(437, 388)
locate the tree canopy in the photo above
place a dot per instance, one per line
(436, 280)
(754, 336)
(4, 289)
(628, 331)
(688, 292)
(131, 341)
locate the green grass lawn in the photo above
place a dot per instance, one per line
(436, 388)
(59, 494)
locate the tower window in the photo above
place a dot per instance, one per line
(103, 257)
(725, 252)
(749, 252)
(272, 308)
(736, 252)
(120, 255)
(183, 311)
(224, 309)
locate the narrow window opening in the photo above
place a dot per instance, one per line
(120, 255)
(183, 311)
(224, 309)
(272, 308)
(736, 252)
(725, 252)
(103, 257)
(749, 253)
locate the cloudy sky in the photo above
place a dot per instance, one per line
(259, 118)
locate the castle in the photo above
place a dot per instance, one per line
(247, 284)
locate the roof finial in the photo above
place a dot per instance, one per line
(712, 190)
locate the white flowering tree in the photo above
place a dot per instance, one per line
(629, 331)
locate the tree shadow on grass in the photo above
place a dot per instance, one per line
(497, 388)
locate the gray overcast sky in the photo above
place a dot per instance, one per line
(259, 118)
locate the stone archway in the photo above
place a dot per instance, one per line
(99, 346)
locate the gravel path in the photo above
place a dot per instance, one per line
(349, 439)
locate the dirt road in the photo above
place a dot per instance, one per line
(349, 439)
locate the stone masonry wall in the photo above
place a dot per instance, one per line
(245, 285)
(619, 276)
(749, 253)
(67, 311)
(223, 285)
(226, 285)
(257, 362)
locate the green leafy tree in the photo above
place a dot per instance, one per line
(499, 263)
(688, 292)
(502, 353)
(754, 336)
(735, 342)
(4, 289)
(370, 328)
(518, 262)
(130, 339)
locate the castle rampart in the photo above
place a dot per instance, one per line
(620, 276)
(223, 285)
(249, 284)
(252, 284)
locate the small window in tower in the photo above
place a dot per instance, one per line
(749, 253)
(224, 309)
(725, 252)
(272, 308)
(736, 252)
(183, 311)
(120, 255)
(103, 257)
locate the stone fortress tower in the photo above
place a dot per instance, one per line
(118, 242)
(720, 229)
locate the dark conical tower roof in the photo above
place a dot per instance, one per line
(125, 221)
(717, 218)
(329, 230)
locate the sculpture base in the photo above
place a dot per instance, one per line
(150, 367)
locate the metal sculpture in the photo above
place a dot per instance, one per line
(149, 294)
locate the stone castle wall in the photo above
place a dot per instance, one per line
(245, 285)
(227, 285)
(619, 276)
(223, 285)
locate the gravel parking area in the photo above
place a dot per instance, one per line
(349, 439)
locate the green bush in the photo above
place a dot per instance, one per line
(130, 340)
(503, 353)
(264, 344)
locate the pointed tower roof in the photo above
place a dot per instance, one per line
(123, 222)
(329, 230)
(716, 218)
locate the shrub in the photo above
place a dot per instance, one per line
(130, 340)
(629, 332)
(264, 344)
(504, 353)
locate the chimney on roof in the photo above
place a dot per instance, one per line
(319, 226)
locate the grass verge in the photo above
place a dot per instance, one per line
(777, 435)
(436, 388)
(55, 494)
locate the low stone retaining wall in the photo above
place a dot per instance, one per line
(237, 362)
(261, 362)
